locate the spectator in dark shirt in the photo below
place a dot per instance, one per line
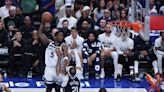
(143, 51)
(91, 55)
(65, 29)
(3, 35)
(27, 28)
(16, 55)
(85, 28)
(85, 16)
(11, 21)
(33, 54)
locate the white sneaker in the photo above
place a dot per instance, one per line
(102, 75)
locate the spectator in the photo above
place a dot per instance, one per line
(28, 7)
(85, 28)
(124, 48)
(101, 28)
(11, 20)
(108, 40)
(85, 16)
(107, 16)
(161, 10)
(16, 57)
(116, 11)
(27, 28)
(64, 28)
(78, 7)
(74, 41)
(61, 12)
(123, 15)
(72, 20)
(159, 51)
(3, 35)
(143, 51)
(91, 55)
(19, 16)
(47, 5)
(152, 7)
(99, 11)
(4, 11)
(109, 5)
(33, 53)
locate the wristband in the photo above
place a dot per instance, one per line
(65, 58)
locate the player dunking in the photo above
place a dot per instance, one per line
(55, 56)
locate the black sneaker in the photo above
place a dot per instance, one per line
(132, 78)
(118, 79)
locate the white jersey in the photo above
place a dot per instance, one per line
(2, 87)
(50, 55)
(79, 40)
(158, 44)
(108, 42)
(123, 46)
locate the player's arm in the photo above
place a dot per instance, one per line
(65, 57)
(42, 36)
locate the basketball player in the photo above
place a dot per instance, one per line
(108, 40)
(74, 41)
(124, 48)
(159, 50)
(55, 56)
(3, 88)
(73, 83)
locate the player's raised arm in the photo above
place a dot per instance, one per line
(42, 36)
(46, 18)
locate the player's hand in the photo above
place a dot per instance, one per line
(59, 53)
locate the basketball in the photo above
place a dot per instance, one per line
(47, 17)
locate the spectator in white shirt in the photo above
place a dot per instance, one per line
(159, 50)
(4, 11)
(124, 48)
(108, 40)
(72, 20)
(75, 42)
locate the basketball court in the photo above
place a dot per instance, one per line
(92, 85)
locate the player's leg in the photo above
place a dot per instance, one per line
(57, 87)
(159, 59)
(121, 61)
(114, 56)
(131, 67)
(102, 58)
(49, 87)
(97, 66)
(153, 61)
(136, 66)
(78, 64)
(85, 66)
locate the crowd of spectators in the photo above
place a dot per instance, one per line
(19, 33)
